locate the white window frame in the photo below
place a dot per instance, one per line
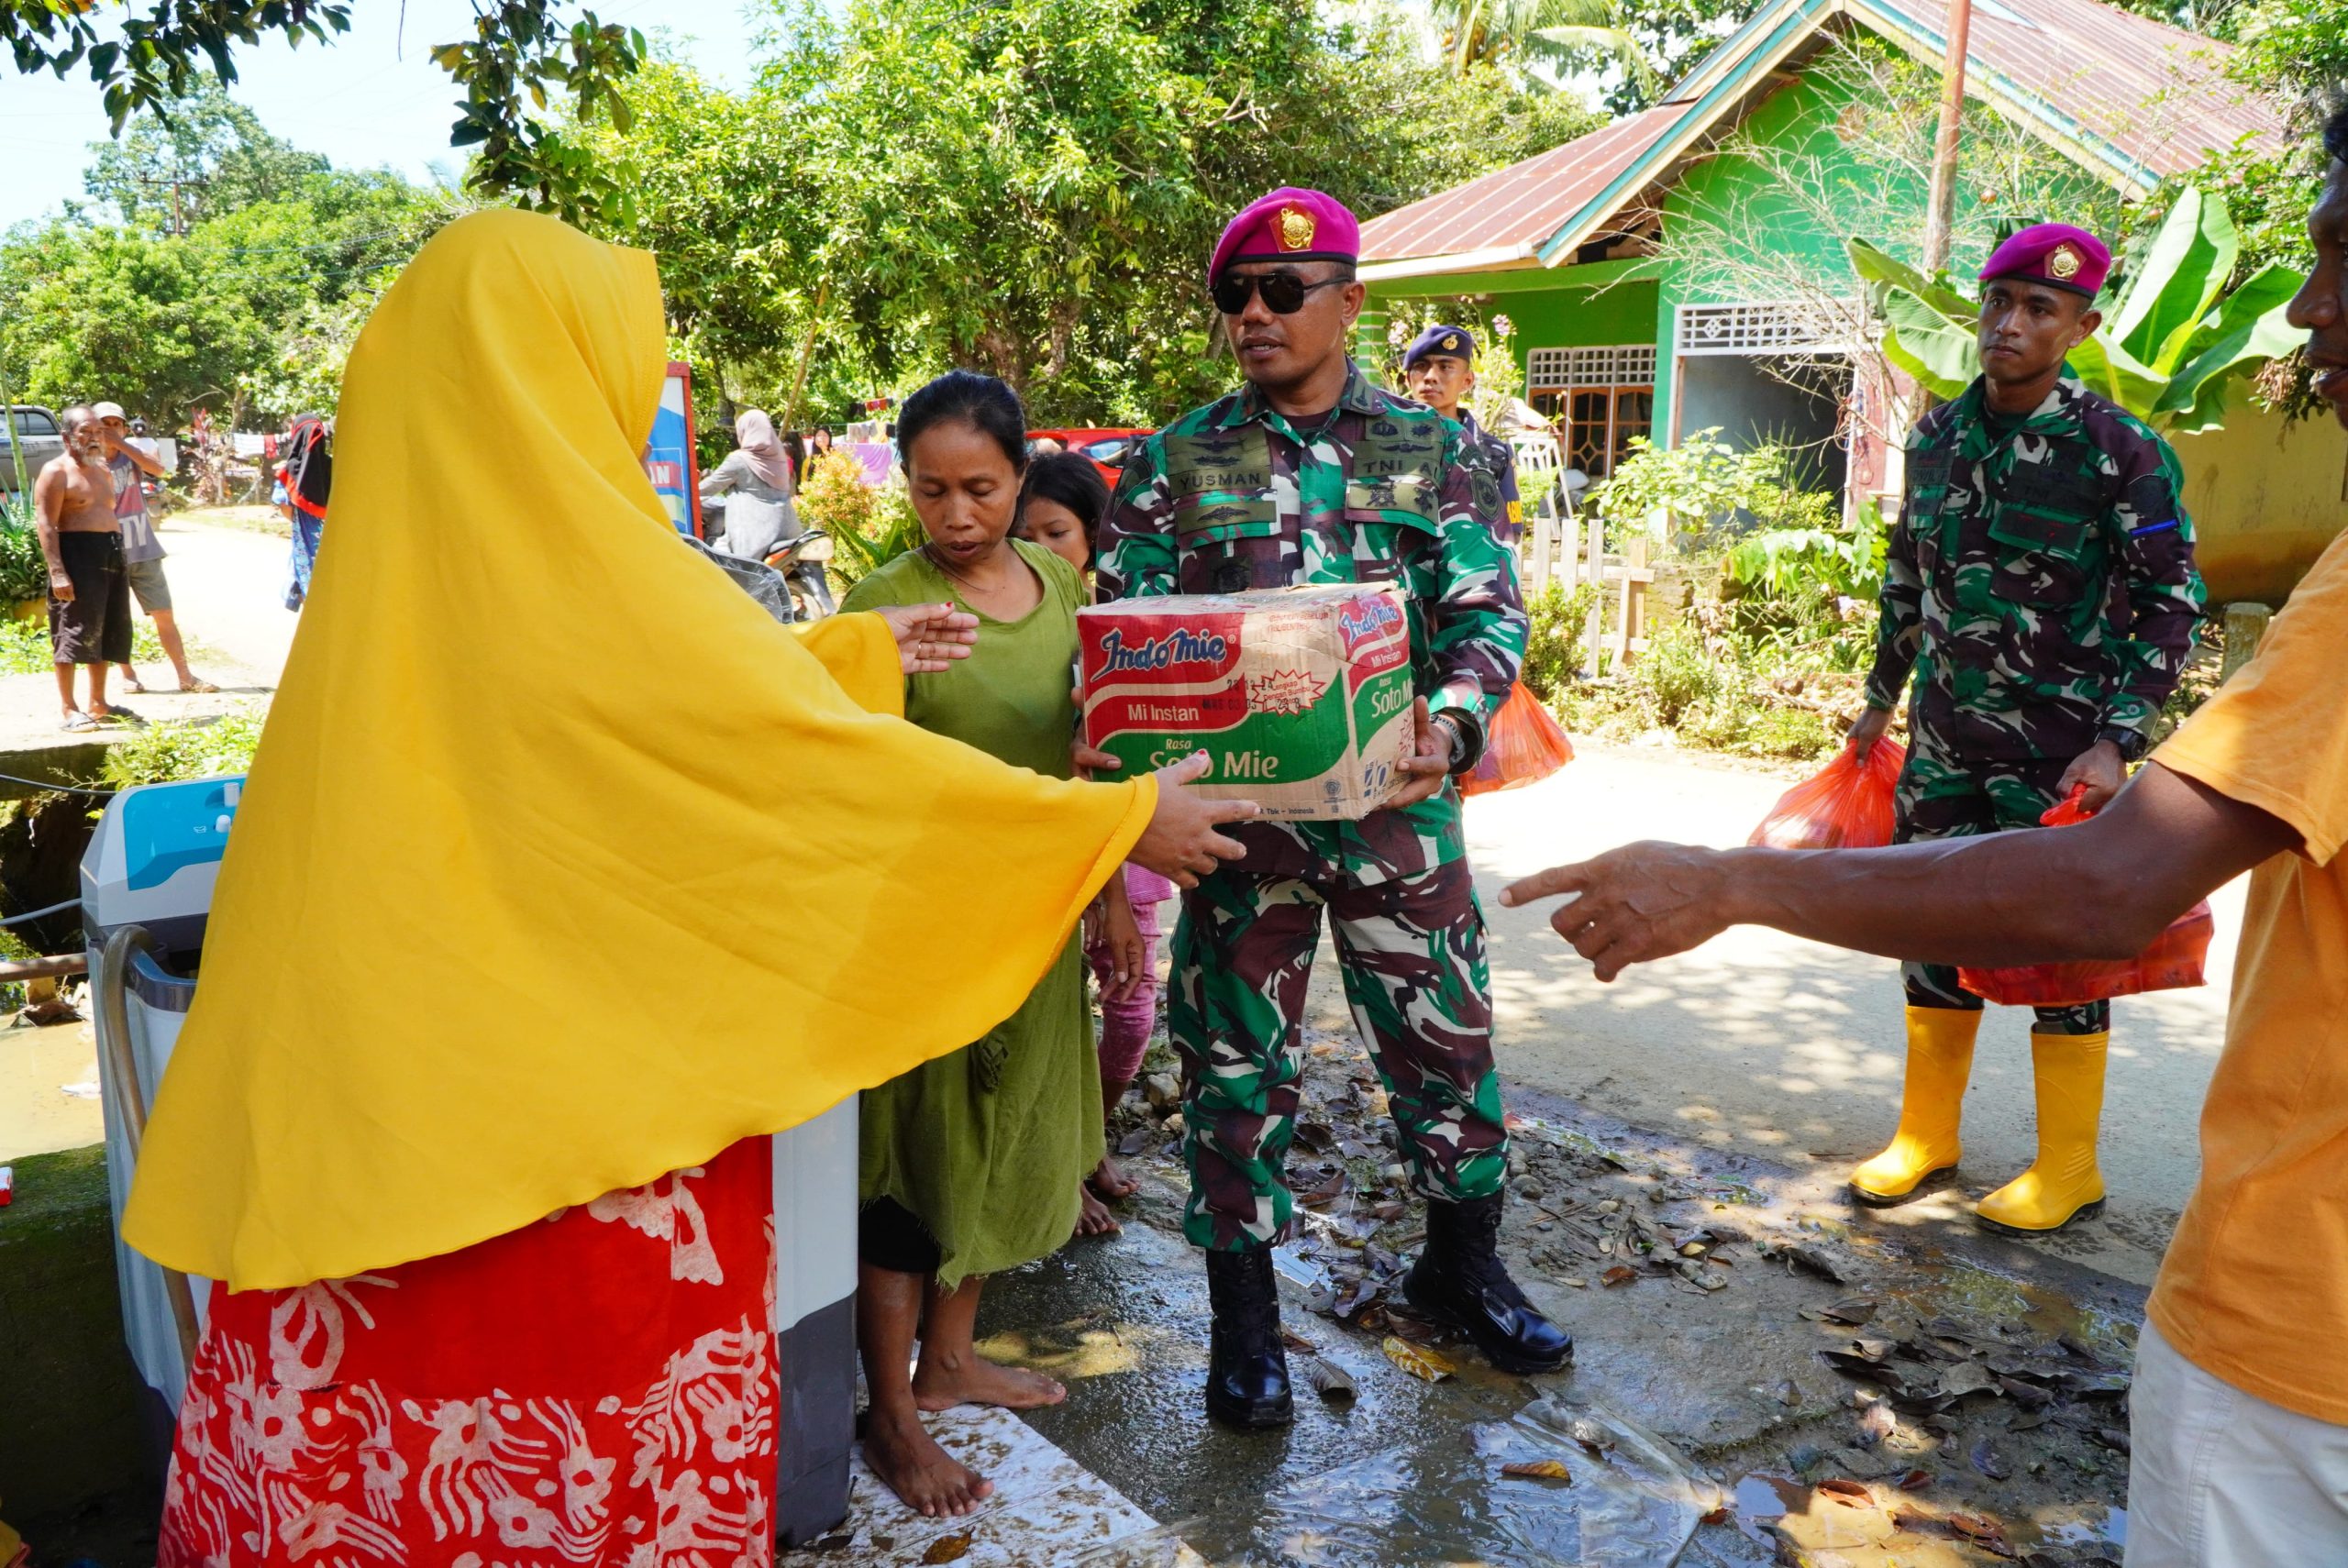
(1747, 327)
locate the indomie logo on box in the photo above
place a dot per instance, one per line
(1176, 647)
(1300, 696)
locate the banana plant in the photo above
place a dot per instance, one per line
(2171, 347)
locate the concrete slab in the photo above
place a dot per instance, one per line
(1046, 1509)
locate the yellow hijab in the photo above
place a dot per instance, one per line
(562, 865)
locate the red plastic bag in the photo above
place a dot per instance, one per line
(1523, 746)
(2174, 959)
(1846, 805)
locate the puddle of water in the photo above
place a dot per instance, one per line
(2093, 1526)
(1961, 1290)
(1762, 1497)
(1631, 1506)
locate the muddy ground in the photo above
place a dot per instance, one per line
(1831, 1394)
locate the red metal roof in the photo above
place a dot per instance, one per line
(1521, 205)
(2130, 90)
(2157, 93)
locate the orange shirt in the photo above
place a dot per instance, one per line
(2254, 1289)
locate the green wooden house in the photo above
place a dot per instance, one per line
(1619, 334)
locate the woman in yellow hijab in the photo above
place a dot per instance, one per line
(530, 928)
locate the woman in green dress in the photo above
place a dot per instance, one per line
(971, 1164)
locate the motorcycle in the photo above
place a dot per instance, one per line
(800, 561)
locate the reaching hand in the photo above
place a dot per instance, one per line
(1429, 763)
(1181, 843)
(1629, 905)
(1123, 937)
(1089, 760)
(1868, 728)
(2102, 769)
(930, 636)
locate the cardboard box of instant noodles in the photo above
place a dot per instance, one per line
(1302, 695)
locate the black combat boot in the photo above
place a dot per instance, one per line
(1247, 1363)
(1458, 1281)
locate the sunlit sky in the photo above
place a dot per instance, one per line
(371, 98)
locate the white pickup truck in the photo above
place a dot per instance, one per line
(32, 431)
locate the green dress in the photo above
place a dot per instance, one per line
(987, 1146)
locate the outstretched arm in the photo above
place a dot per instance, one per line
(2101, 889)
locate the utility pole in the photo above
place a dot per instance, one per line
(176, 181)
(1942, 217)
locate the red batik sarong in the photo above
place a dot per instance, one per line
(597, 1388)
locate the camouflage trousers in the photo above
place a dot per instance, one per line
(1412, 952)
(1940, 797)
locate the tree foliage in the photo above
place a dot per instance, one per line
(246, 298)
(1029, 188)
(521, 56)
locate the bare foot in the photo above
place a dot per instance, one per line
(978, 1381)
(1109, 1181)
(1092, 1216)
(925, 1477)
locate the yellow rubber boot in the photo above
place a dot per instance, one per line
(2063, 1183)
(1940, 1060)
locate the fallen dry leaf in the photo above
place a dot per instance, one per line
(1850, 1494)
(1419, 1362)
(1540, 1470)
(1618, 1275)
(1973, 1527)
(947, 1548)
(1329, 1380)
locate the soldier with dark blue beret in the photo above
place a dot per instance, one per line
(1439, 370)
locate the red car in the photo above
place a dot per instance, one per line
(1107, 448)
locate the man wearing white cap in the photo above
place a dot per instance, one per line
(142, 552)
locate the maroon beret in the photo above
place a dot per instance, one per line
(2055, 254)
(1289, 224)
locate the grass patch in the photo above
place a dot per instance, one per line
(198, 749)
(24, 650)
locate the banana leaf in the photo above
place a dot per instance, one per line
(1878, 266)
(2246, 331)
(2176, 285)
(2106, 368)
(1943, 355)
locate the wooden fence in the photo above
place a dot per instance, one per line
(1564, 546)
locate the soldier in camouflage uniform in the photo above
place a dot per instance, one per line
(1309, 474)
(2040, 584)
(1439, 370)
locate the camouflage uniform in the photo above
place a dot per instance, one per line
(1232, 497)
(2040, 584)
(1491, 462)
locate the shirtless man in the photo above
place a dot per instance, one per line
(89, 594)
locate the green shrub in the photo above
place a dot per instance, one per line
(1553, 652)
(24, 572)
(198, 749)
(1675, 676)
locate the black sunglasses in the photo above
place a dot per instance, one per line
(1283, 291)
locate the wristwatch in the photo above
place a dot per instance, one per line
(2133, 744)
(1464, 750)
